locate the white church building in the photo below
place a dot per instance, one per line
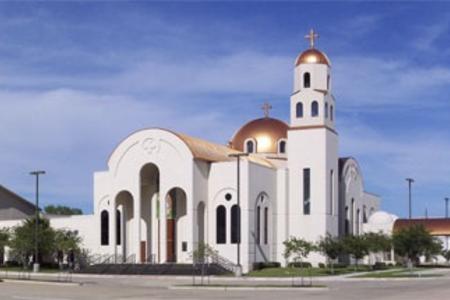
(164, 192)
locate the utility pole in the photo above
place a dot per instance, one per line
(446, 207)
(238, 185)
(36, 230)
(410, 181)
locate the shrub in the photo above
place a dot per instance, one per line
(322, 265)
(340, 265)
(264, 265)
(379, 266)
(304, 264)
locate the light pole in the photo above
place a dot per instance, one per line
(446, 207)
(238, 200)
(36, 230)
(410, 181)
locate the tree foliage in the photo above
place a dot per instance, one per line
(297, 248)
(50, 241)
(378, 242)
(331, 247)
(62, 210)
(356, 246)
(415, 241)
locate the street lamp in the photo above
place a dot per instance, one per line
(446, 207)
(410, 181)
(238, 161)
(36, 231)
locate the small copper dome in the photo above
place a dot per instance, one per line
(312, 56)
(267, 132)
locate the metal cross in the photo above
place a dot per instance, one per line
(266, 108)
(312, 36)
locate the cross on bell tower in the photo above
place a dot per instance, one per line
(266, 108)
(312, 36)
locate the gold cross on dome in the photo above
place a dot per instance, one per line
(312, 36)
(266, 108)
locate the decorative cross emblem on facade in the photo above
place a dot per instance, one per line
(312, 36)
(266, 108)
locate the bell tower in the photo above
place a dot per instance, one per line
(313, 148)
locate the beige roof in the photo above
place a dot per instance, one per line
(212, 152)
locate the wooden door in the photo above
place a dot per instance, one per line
(143, 251)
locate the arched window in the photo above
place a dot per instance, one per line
(118, 227)
(314, 109)
(328, 82)
(250, 147)
(347, 221)
(104, 228)
(235, 224)
(331, 113)
(326, 110)
(358, 213)
(364, 214)
(266, 224)
(306, 80)
(258, 224)
(299, 110)
(282, 147)
(221, 226)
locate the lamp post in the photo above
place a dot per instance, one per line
(238, 200)
(446, 207)
(410, 181)
(36, 231)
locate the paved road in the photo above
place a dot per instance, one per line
(151, 288)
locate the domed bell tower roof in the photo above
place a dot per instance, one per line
(312, 55)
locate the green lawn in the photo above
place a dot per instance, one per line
(289, 272)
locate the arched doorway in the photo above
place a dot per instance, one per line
(149, 179)
(175, 210)
(124, 205)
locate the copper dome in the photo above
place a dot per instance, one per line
(267, 132)
(312, 56)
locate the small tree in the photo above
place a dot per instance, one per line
(414, 241)
(298, 249)
(446, 255)
(356, 246)
(22, 242)
(331, 247)
(378, 242)
(67, 243)
(202, 256)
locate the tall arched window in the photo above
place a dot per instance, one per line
(266, 225)
(118, 227)
(364, 214)
(358, 213)
(299, 110)
(314, 109)
(104, 228)
(235, 224)
(306, 80)
(347, 221)
(258, 225)
(326, 110)
(331, 113)
(282, 147)
(221, 226)
(250, 147)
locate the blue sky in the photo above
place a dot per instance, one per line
(78, 77)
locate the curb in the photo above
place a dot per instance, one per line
(41, 282)
(248, 288)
